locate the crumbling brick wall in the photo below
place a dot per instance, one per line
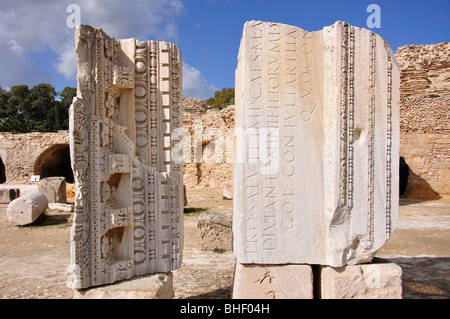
(424, 69)
(425, 117)
(209, 159)
(21, 151)
(425, 141)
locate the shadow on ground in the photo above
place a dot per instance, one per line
(52, 219)
(425, 277)
(221, 293)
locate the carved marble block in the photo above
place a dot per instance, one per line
(129, 190)
(317, 145)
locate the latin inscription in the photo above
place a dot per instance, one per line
(280, 78)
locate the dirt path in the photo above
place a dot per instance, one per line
(34, 259)
(421, 246)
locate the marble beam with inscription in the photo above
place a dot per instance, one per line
(317, 145)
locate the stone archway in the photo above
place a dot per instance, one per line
(55, 161)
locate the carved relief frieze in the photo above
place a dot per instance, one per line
(126, 222)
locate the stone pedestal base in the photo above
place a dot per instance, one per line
(157, 286)
(376, 280)
(367, 281)
(273, 282)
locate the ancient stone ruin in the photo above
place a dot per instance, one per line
(425, 69)
(129, 186)
(26, 209)
(316, 166)
(315, 191)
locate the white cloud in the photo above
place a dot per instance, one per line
(16, 67)
(28, 26)
(194, 85)
(67, 62)
(138, 19)
(14, 47)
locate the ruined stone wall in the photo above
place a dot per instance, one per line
(208, 162)
(425, 117)
(194, 105)
(428, 156)
(424, 69)
(22, 152)
(425, 144)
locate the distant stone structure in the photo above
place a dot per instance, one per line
(425, 118)
(194, 105)
(208, 146)
(425, 69)
(43, 154)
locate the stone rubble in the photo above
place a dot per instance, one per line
(368, 281)
(425, 69)
(215, 231)
(54, 188)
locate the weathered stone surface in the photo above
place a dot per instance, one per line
(425, 69)
(124, 133)
(61, 207)
(273, 282)
(54, 188)
(368, 281)
(208, 140)
(228, 189)
(27, 208)
(8, 194)
(157, 286)
(317, 149)
(425, 144)
(215, 230)
(25, 189)
(27, 154)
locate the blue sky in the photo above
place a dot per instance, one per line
(36, 45)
